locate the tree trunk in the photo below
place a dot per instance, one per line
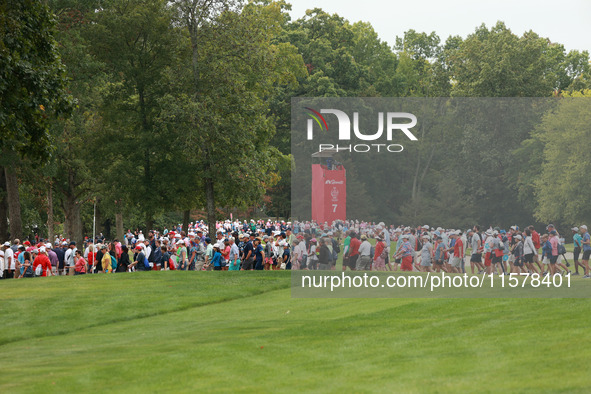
(147, 164)
(186, 218)
(72, 212)
(107, 232)
(67, 225)
(99, 219)
(50, 223)
(119, 225)
(73, 220)
(77, 226)
(3, 207)
(14, 204)
(210, 206)
(149, 223)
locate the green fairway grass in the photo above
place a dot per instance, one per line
(242, 331)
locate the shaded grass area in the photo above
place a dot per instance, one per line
(217, 332)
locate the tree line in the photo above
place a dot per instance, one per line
(151, 109)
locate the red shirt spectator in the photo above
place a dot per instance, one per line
(459, 248)
(81, 265)
(354, 247)
(535, 237)
(379, 250)
(42, 260)
(91, 257)
(118, 249)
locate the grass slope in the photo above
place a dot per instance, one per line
(224, 331)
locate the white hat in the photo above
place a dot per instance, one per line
(575, 229)
(489, 232)
(439, 229)
(177, 235)
(426, 227)
(64, 243)
(42, 249)
(180, 241)
(518, 236)
(584, 227)
(6, 243)
(495, 232)
(216, 245)
(48, 245)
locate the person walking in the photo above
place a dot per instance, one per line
(364, 260)
(405, 253)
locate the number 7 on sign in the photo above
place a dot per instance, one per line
(334, 208)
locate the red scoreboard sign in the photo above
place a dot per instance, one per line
(329, 193)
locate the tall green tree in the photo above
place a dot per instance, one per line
(560, 184)
(137, 42)
(497, 63)
(237, 65)
(32, 90)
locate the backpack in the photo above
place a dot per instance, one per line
(372, 252)
(146, 263)
(39, 270)
(561, 249)
(113, 263)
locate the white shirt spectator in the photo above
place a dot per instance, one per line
(303, 250)
(9, 262)
(528, 246)
(69, 257)
(234, 252)
(365, 248)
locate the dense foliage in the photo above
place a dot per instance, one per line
(185, 105)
